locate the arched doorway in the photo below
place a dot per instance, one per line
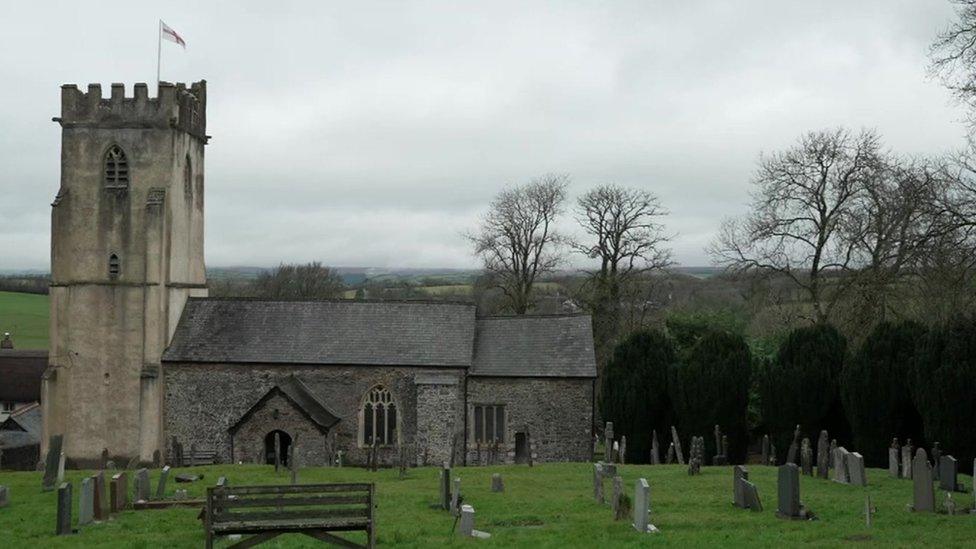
(284, 440)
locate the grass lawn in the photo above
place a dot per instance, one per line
(545, 506)
(25, 316)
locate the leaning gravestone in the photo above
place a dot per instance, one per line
(855, 469)
(840, 466)
(788, 489)
(751, 495)
(794, 449)
(86, 502)
(923, 492)
(739, 473)
(677, 446)
(642, 507)
(655, 450)
(100, 503)
(51, 462)
(161, 487)
(948, 469)
(64, 510)
(142, 488)
(894, 468)
(806, 457)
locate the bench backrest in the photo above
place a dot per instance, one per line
(241, 504)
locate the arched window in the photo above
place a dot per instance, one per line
(116, 169)
(113, 266)
(378, 418)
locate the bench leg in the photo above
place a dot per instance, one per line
(322, 535)
(254, 540)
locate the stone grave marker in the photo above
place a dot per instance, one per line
(598, 482)
(823, 456)
(86, 502)
(794, 450)
(119, 492)
(788, 491)
(677, 446)
(642, 507)
(496, 483)
(806, 457)
(623, 450)
(456, 496)
(467, 524)
(721, 452)
(894, 467)
(764, 460)
(142, 488)
(669, 459)
(161, 486)
(61, 460)
(608, 442)
(772, 454)
(751, 495)
(739, 473)
(618, 491)
(833, 450)
(222, 481)
(655, 450)
(841, 474)
(157, 459)
(49, 482)
(104, 459)
(949, 505)
(63, 527)
(101, 504)
(936, 461)
(855, 469)
(948, 469)
(923, 493)
(615, 455)
(4, 498)
(446, 487)
(907, 455)
(868, 510)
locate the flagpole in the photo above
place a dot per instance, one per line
(159, 48)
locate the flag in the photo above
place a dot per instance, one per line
(170, 34)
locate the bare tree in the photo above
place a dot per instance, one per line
(517, 241)
(953, 55)
(803, 198)
(625, 235)
(308, 281)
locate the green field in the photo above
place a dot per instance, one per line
(25, 317)
(545, 506)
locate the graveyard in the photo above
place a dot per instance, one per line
(547, 505)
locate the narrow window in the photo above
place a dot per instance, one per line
(188, 178)
(379, 418)
(489, 423)
(116, 169)
(113, 266)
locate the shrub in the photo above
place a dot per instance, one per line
(799, 386)
(874, 388)
(709, 386)
(944, 377)
(634, 391)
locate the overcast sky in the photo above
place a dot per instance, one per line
(374, 134)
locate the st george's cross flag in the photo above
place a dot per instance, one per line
(167, 33)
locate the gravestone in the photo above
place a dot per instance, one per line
(608, 442)
(618, 491)
(794, 450)
(788, 489)
(4, 501)
(772, 454)
(49, 482)
(721, 450)
(623, 450)
(695, 455)
(833, 450)
(894, 467)
(142, 488)
(739, 473)
(456, 496)
(104, 459)
(923, 493)
(496, 483)
(119, 492)
(101, 504)
(609, 469)
(764, 460)
(936, 461)
(598, 482)
(669, 458)
(157, 459)
(907, 456)
(948, 469)
(841, 474)
(655, 453)
(642, 505)
(446, 487)
(86, 502)
(161, 487)
(63, 527)
(467, 524)
(677, 446)
(949, 505)
(868, 510)
(61, 459)
(855, 469)
(222, 481)
(751, 495)
(806, 457)
(615, 455)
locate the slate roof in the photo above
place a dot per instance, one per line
(302, 397)
(324, 332)
(534, 346)
(22, 428)
(20, 375)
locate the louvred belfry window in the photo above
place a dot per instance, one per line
(116, 169)
(379, 418)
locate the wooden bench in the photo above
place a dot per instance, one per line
(266, 512)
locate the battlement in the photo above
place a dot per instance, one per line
(175, 106)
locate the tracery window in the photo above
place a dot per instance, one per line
(116, 169)
(378, 418)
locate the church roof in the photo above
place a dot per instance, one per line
(387, 333)
(298, 394)
(21, 372)
(534, 346)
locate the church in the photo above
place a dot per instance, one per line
(144, 365)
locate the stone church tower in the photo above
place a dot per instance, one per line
(126, 253)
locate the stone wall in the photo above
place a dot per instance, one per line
(557, 412)
(203, 401)
(280, 413)
(440, 419)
